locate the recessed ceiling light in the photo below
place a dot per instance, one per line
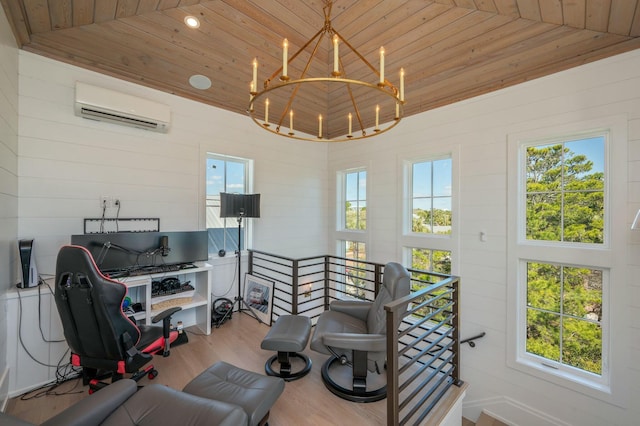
(200, 82)
(191, 21)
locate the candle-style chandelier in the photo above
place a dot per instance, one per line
(335, 107)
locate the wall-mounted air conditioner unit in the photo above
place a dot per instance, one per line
(97, 103)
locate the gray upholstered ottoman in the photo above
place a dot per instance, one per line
(254, 392)
(288, 336)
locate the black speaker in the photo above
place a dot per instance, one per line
(27, 264)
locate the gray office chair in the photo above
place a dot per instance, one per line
(122, 404)
(354, 334)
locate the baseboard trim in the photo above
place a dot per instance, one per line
(509, 411)
(4, 390)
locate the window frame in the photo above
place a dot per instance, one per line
(408, 211)
(429, 241)
(229, 223)
(344, 235)
(611, 386)
(342, 199)
(341, 248)
(522, 202)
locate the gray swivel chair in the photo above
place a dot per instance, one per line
(122, 404)
(354, 334)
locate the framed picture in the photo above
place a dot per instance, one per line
(258, 294)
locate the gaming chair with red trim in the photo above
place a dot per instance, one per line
(102, 339)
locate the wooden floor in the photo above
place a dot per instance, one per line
(304, 402)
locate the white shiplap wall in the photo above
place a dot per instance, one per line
(67, 163)
(8, 178)
(477, 131)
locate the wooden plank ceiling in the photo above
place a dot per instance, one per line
(450, 49)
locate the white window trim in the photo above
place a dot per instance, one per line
(341, 198)
(409, 239)
(202, 210)
(608, 256)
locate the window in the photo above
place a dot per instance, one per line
(429, 233)
(351, 235)
(355, 202)
(224, 174)
(564, 315)
(431, 260)
(565, 191)
(355, 273)
(431, 198)
(560, 255)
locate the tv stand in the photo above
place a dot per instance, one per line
(196, 306)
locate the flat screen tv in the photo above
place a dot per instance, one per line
(128, 251)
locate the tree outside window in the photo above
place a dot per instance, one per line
(564, 311)
(565, 191)
(355, 270)
(430, 261)
(355, 200)
(431, 197)
(565, 203)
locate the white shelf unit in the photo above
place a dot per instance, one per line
(195, 312)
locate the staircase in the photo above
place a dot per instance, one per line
(484, 420)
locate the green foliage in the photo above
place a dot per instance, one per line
(355, 218)
(564, 202)
(426, 221)
(430, 260)
(565, 301)
(356, 272)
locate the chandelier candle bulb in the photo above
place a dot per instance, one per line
(402, 84)
(291, 122)
(335, 55)
(254, 83)
(285, 56)
(377, 117)
(320, 126)
(381, 66)
(266, 111)
(350, 123)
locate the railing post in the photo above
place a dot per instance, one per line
(326, 282)
(456, 332)
(250, 267)
(294, 288)
(377, 280)
(393, 397)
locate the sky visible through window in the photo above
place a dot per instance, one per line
(217, 182)
(592, 148)
(432, 182)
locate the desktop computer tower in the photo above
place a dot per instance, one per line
(27, 264)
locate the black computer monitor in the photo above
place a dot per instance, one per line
(119, 251)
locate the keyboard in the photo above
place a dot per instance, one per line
(147, 270)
